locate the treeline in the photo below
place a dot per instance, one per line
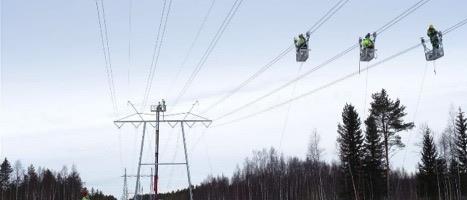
(364, 169)
(17, 183)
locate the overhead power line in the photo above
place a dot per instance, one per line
(157, 49)
(106, 34)
(456, 26)
(323, 86)
(130, 9)
(419, 96)
(333, 10)
(401, 16)
(327, 16)
(103, 32)
(287, 113)
(327, 62)
(422, 83)
(233, 10)
(346, 51)
(313, 29)
(192, 45)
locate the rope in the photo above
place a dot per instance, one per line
(380, 30)
(321, 87)
(198, 140)
(120, 154)
(447, 31)
(286, 120)
(366, 93)
(177, 145)
(417, 105)
(458, 25)
(174, 156)
(313, 29)
(251, 78)
(346, 51)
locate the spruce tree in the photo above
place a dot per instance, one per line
(427, 177)
(461, 140)
(33, 183)
(461, 150)
(389, 116)
(5, 173)
(373, 161)
(350, 142)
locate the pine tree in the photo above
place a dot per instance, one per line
(389, 116)
(351, 151)
(373, 161)
(427, 168)
(461, 150)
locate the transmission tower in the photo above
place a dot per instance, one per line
(126, 193)
(154, 119)
(125, 187)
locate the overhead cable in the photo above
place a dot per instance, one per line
(456, 26)
(339, 55)
(103, 32)
(157, 49)
(283, 53)
(207, 53)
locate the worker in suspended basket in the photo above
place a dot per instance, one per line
(300, 42)
(367, 42)
(434, 38)
(85, 194)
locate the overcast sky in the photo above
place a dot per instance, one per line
(55, 103)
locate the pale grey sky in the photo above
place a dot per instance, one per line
(56, 109)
